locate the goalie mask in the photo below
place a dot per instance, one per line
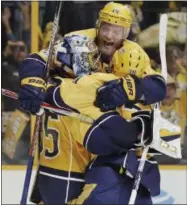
(80, 54)
(85, 55)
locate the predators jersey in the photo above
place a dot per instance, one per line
(62, 160)
(58, 148)
(86, 86)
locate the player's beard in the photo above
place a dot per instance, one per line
(108, 49)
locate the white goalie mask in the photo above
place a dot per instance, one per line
(85, 55)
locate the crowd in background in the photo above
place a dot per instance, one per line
(75, 15)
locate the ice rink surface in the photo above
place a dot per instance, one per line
(173, 186)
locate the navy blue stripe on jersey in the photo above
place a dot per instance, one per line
(33, 65)
(53, 97)
(60, 172)
(111, 134)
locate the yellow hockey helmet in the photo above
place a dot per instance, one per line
(117, 14)
(130, 60)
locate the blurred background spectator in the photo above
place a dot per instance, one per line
(76, 15)
(15, 48)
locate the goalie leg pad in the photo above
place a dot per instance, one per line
(166, 136)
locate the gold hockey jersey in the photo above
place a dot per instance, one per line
(58, 148)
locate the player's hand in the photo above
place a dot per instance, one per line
(116, 93)
(31, 98)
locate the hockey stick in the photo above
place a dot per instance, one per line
(33, 146)
(61, 111)
(162, 49)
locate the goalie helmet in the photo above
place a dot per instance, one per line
(117, 14)
(80, 54)
(85, 58)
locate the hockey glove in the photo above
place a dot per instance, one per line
(115, 93)
(31, 94)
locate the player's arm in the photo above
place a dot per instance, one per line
(32, 83)
(149, 87)
(78, 94)
(56, 94)
(32, 78)
(112, 134)
(153, 84)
